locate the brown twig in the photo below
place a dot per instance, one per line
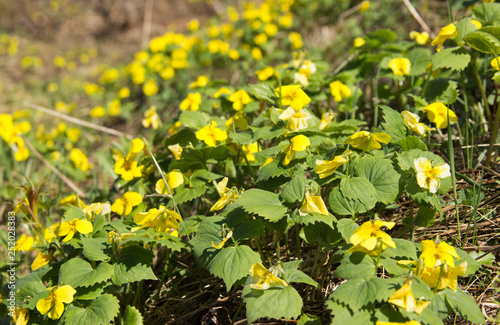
(54, 170)
(417, 17)
(77, 121)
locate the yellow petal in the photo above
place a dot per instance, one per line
(84, 226)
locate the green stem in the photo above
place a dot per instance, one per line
(411, 220)
(450, 14)
(481, 90)
(493, 136)
(452, 167)
(297, 240)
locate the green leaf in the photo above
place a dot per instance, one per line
(186, 194)
(102, 311)
(318, 233)
(464, 305)
(208, 231)
(359, 292)
(263, 92)
(488, 13)
(391, 265)
(455, 58)
(198, 158)
(419, 59)
(404, 248)
(30, 285)
(295, 189)
(346, 227)
(133, 264)
(472, 264)
(292, 274)
(356, 265)
(442, 90)
(73, 212)
(394, 124)
(248, 230)
(382, 175)
(263, 203)
(94, 248)
(267, 132)
(194, 119)
(306, 319)
(202, 177)
(79, 273)
(346, 207)
(426, 215)
(233, 263)
(485, 40)
(464, 27)
(359, 188)
(184, 138)
(273, 169)
(273, 303)
(92, 292)
(412, 142)
(132, 316)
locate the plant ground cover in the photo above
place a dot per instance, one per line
(269, 162)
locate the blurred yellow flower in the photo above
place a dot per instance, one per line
(150, 88)
(296, 40)
(256, 53)
(200, 82)
(151, 118)
(358, 42)
(79, 160)
(239, 99)
(400, 66)
(21, 316)
(24, 243)
(265, 73)
(339, 91)
(176, 150)
(421, 38)
(191, 103)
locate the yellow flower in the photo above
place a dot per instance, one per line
(224, 240)
(256, 53)
(363, 6)
(239, 121)
(151, 118)
(437, 113)
(260, 39)
(95, 209)
(421, 38)
(339, 91)
(226, 195)
(494, 64)
(51, 232)
(326, 119)
(221, 91)
(6, 127)
(412, 123)
(313, 204)
(429, 177)
(73, 134)
(21, 316)
(150, 88)
(200, 82)
(21, 153)
(477, 23)
(79, 159)
(193, 25)
(210, 134)
(400, 66)
(449, 276)
(296, 120)
(265, 73)
(263, 279)
(368, 238)
(434, 255)
(296, 40)
(162, 220)
(128, 170)
(359, 41)
(70, 228)
(176, 150)
(234, 54)
(174, 180)
(239, 99)
(404, 298)
(123, 206)
(364, 140)
(72, 199)
(447, 32)
(191, 103)
(249, 150)
(294, 96)
(97, 111)
(41, 260)
(137, 146)
(24, 243)
(123, 93)
(298, 143)
(325, 168)
(54, 303)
